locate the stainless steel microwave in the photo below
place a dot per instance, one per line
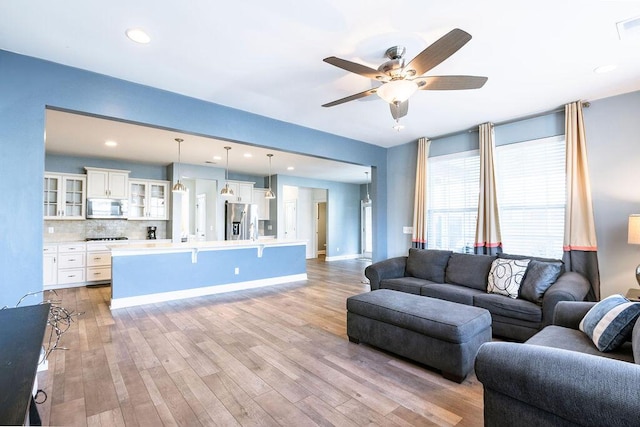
(107, 208)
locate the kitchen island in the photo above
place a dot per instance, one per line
(156, 272)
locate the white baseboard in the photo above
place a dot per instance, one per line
(342, 257)
(198, 292)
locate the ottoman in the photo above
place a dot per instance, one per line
(441, 334)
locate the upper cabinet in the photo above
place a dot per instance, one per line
(64, 196)
(242, 191)
(107, 183)
(148, 199)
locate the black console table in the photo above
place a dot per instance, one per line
(21, 334)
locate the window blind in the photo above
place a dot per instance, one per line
(452, 198)
(531, 196)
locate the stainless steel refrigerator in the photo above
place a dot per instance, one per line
(241, 221)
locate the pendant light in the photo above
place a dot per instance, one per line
(226, 191)
(179, 187)
(269, 194)
(368, 199)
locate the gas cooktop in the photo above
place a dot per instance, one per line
(92, 239)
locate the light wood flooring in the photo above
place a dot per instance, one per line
(272, 356)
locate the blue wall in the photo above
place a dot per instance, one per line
(613, 146)
(69, 164)
(28, 85)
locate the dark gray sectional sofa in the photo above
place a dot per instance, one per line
(462, 278)
(559, 378)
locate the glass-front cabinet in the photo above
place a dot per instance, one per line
(148, 199)
(64, 196)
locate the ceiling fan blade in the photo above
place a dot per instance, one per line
(399, 109)
(352, 97)
(450, 82)
(353, 67)
(440, 50)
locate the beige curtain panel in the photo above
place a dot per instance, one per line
(419, 237)
(580, 246)
(488, 236)
(579, 226)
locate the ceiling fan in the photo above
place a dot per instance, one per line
(400, 79)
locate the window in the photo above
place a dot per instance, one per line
(531, 195)
(452, 197)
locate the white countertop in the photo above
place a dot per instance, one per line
(155, 248)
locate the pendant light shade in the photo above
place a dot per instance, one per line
(367, 199)
(226, 190)
(179, 187)
(269, 194)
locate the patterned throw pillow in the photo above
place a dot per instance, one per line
(506, 276)
(610, 322)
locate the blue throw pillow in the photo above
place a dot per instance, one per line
(610, 322)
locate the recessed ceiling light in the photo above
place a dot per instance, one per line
(110, 143)
(290, 168)
(605, 68)
(247, 155)
(138, 35)
(217, 157)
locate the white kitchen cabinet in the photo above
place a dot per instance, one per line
(242, 191)
(107, 183)
(263, 203)
(71, 263)
(64, 196)
(148, 199)
(50, 265)
(98, 263)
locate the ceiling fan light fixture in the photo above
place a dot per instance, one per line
(397, 90)
(397, 126)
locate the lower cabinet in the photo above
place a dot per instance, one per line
(98, 264)
(50, 265)
(63, 265)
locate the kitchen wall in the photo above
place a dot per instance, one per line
(71, 231)
(73, 164)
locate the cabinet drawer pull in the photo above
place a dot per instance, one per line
(72, 275)
(71, 259)
(97, 258)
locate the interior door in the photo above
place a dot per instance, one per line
(201, 216)
(290, 219)
(367, 230)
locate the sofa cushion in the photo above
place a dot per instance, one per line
(469, 270)
(575, 340)
(508, 307)
(539, 277)
(450, 292)
(506, 275)
(610, 322)
(427, 264)
(410, 285)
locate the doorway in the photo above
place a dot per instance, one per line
(321, 228)
(367, 230)
(201, 216)
(290, 219)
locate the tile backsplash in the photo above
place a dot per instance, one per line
(71, 231)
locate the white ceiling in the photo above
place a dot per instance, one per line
(266, 56)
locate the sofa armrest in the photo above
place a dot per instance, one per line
(387, 269)
(572, 386)
(570, 286)
(570, 313)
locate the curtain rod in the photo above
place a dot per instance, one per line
(506, 122)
